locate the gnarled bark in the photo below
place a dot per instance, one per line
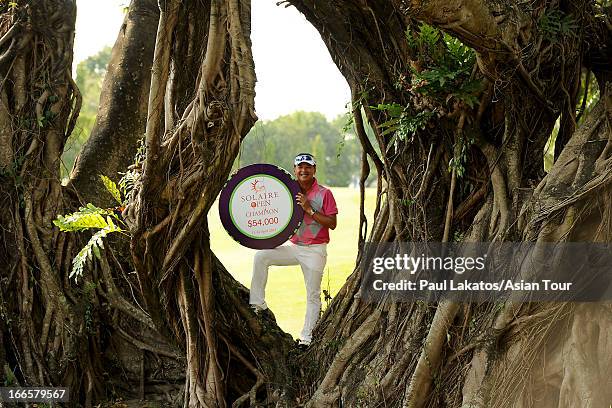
(55, 331)
(191, 298)
(43, 329)
(507, 154)
(122, 115)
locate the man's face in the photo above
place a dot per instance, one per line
(304, 172)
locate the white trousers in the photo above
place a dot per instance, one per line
(311, 258)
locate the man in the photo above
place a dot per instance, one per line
(308, 247)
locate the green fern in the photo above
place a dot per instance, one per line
(92, 217)
(111, 187)
(459, 56)
(87, 217)
(447, 68)
(555, 25)
(402, 124)
(428, 35)
(128, 182)
(130, 178)
(93, 247)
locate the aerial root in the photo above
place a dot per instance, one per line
(418, 388)
(328, 391)
(251, 395)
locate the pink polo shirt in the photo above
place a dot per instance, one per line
(310, 231)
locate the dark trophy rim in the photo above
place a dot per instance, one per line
(224, 211)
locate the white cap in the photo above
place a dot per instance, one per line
(304, 158)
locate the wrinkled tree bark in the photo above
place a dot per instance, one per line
(122, 115)
(55, 331)
(44, 327)
(362, 357)
(387, 356)
(190, 145)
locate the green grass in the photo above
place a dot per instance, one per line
(285, 292)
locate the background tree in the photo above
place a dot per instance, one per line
(274, 141)
(43, 324)
(121, 118)
(89, 76)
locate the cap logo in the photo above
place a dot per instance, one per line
(304, 158)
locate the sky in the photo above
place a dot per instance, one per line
(294, 70)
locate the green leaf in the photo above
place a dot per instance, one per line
(389, 130)
(428, 35)
(391, 142)
(111, 187)
(128, 181)
(394, 110)
(388, 123)
(410, 38)
(87, 217)
(93, 247)
(555, 24)
(96, 250)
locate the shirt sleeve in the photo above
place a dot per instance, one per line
(329, 203)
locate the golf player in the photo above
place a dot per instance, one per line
(308, 246)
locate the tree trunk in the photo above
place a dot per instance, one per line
(55, 331)
(387, 357)
(190, 296)
(122, 115)
(43, 329)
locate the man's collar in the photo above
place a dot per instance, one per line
(315, 185)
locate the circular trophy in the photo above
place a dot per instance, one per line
(257, 206)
